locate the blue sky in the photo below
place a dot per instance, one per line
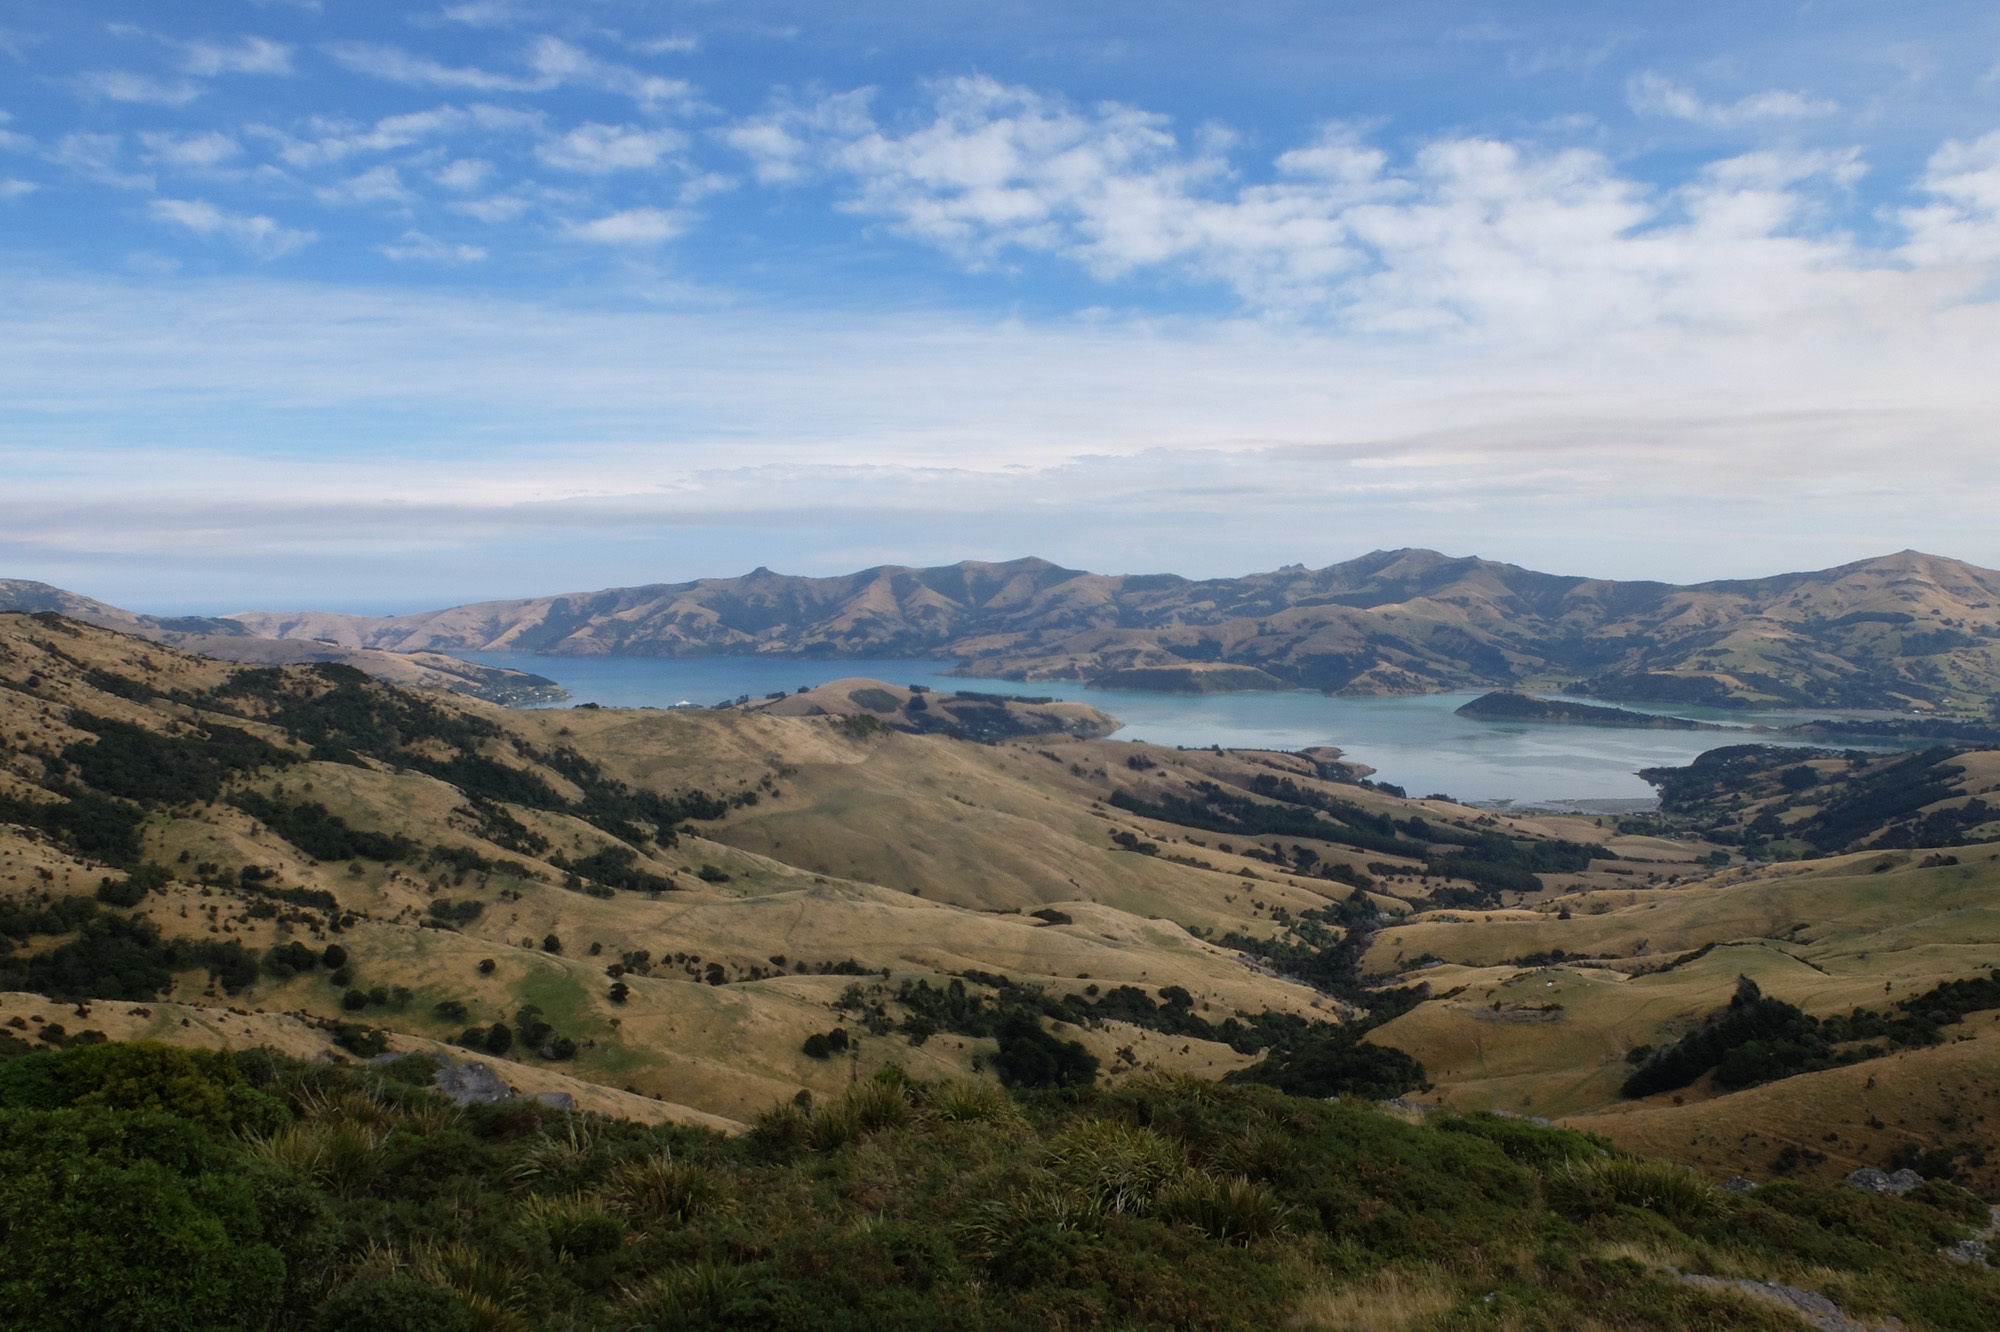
(381, 306)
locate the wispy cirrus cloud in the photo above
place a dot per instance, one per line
(465, 173)
(333, 141)
(416, 247)
(98, 157)
(551, 63)
(632, 226)
(397, 65)
(494, 209)
(1651, 93)
(259, 235)
(251, 55)
(381, 184)
(206, 149)
(595, 148)
(119, 85)
(10, 141)
(1961, 224)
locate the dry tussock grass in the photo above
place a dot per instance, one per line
(1392, 1300)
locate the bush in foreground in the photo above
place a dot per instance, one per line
(133, 1193)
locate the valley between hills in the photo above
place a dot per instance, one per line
(750, 877)
(810, 946)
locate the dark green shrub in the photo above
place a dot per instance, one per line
(117, 1219)
(201, 1086)
(1031, 1057)
(394, 1304)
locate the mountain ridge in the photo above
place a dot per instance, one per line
(1907, 631)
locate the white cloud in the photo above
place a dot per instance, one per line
(493, 209)
(1655, 94)
(634, 226)
(466, 173)
(1488, 238)
(697, 188)
(595, 148)
(120, 86)
(560, 62)
(666, 45)
(377, 185)
(787, 144)
(486, 13)
(189, 150)
(1962, 223)
(260, 235)
(415, 246)
(339, 139)
(399, 66)
(11, 188)
(252, 55)
(554, 63)
(97, 157)
(592, 441)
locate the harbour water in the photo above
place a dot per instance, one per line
(1417, 743)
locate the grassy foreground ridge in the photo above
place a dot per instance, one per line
(150, 1187)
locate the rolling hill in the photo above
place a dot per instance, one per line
(840, 858)
(780, 952)
(1902, 631)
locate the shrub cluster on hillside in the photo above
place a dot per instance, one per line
(1492, 863)
(1759, 1039)
(142, 1186)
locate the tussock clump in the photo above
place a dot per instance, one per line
(335, 1154)
(1119, 1165)
(662, 1191)
(882, 1102)
(490, 1286)
(1391, 1300)
(972, 1103)
(1234, 1211)
(683, 1297)
(565, 1160)
(577, 1225)
(1261, 1151)
(1047, 1204)
(1587, 1188)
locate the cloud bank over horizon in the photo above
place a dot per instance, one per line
(496, 299)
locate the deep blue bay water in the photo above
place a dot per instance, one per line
(1417, 743)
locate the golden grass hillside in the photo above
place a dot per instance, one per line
(816, 858)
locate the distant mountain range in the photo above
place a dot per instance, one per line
(227, 640)
(1898, 632)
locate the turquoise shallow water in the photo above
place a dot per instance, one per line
(1415, 742)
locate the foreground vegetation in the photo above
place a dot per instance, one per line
(146, 1186)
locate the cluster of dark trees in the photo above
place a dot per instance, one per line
(531, 1031)
(343, 716)
(1759, 1039)
(1493, 864)
(124, 957)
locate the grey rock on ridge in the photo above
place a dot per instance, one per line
(1873, 1180)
